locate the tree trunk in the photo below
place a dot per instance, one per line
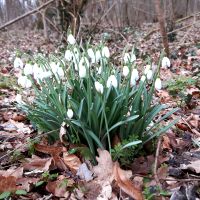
(161, 20)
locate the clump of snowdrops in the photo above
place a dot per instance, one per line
(97, 100)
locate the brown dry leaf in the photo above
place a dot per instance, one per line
(125, 184)
(8, 184)
(17, 173)
(105, 166)
(107, 171)
(27, 183)
(55, 153)
(166, 143)
(193, 166)
(43, 164)
(18, 117)
(59, 187)
(72, 161)
(49, 149)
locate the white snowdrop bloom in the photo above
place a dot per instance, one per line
(45, 74)
(146, 69)
(99, 70)
(135, 74)
(158, 84)
(150, 74)
(98, 87)
(60, 72)
(165, 62)
(84, 62)
(91, 54)
(126, 57)
(54, 67)
(68, 55)
(133, 57)
(97, 55)
(28, 69)
(105, 52)
(82, 72)
(112, 81)
(129, 58)
(70, 113)
(24, 82)
(125, 71)
(76, 54)
(18, 99)
(71, 39)
(132, 82)
(18, 63)
(143, 78)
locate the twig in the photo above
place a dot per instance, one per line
(26, 14)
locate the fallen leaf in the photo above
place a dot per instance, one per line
(17, 173)
(193, 166)
(59, 187)
(8, 184)
(43, 164)
(84, 173)
(72, 161)
(123, 181)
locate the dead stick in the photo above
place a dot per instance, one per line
(26, 14)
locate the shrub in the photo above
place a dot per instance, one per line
(96, 100)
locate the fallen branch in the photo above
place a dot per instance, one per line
(26, 14)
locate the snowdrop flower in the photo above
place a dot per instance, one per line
(60, 72)
(165, 62)
(146, 69)
(135, 74)
(71, 39)
(82, 71)
(54, 67)
(91, 54)
(98, 87)
(84, 62)
(28, 69)
(97, 55)
(70, 113)
(129, 58)
(125, 71)
(158, 84)
(68, 55)
(24, 82)
(149, 74)
(18, 63)
(105, 52)
(112, 81)
(143, 78)
(99, 70)
(18, 99)
(45, 74)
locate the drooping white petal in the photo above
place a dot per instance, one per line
(112, 81)
(126, 57)
(98, 87)
(84, 62)
(158, 84)
(68, 55)
(105, 52)
(71, 39)
(146, 69)
(143, 78)
(60, 72)
(150, 74)
(135, 74)
(24, 82)
(97, 55)
(125, 71)
(70, 113)
(165, 62)
(82, 72)
(91, 54)
(18, 99)
(18, 63)
(28, 69)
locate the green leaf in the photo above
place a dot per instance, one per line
(131, 144)
(21, 192)
(39, 183)
(5, 195)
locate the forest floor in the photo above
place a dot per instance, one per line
(170, 171)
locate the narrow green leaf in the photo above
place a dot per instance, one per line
(131, 144)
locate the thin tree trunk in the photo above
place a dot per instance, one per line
(161, 20)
